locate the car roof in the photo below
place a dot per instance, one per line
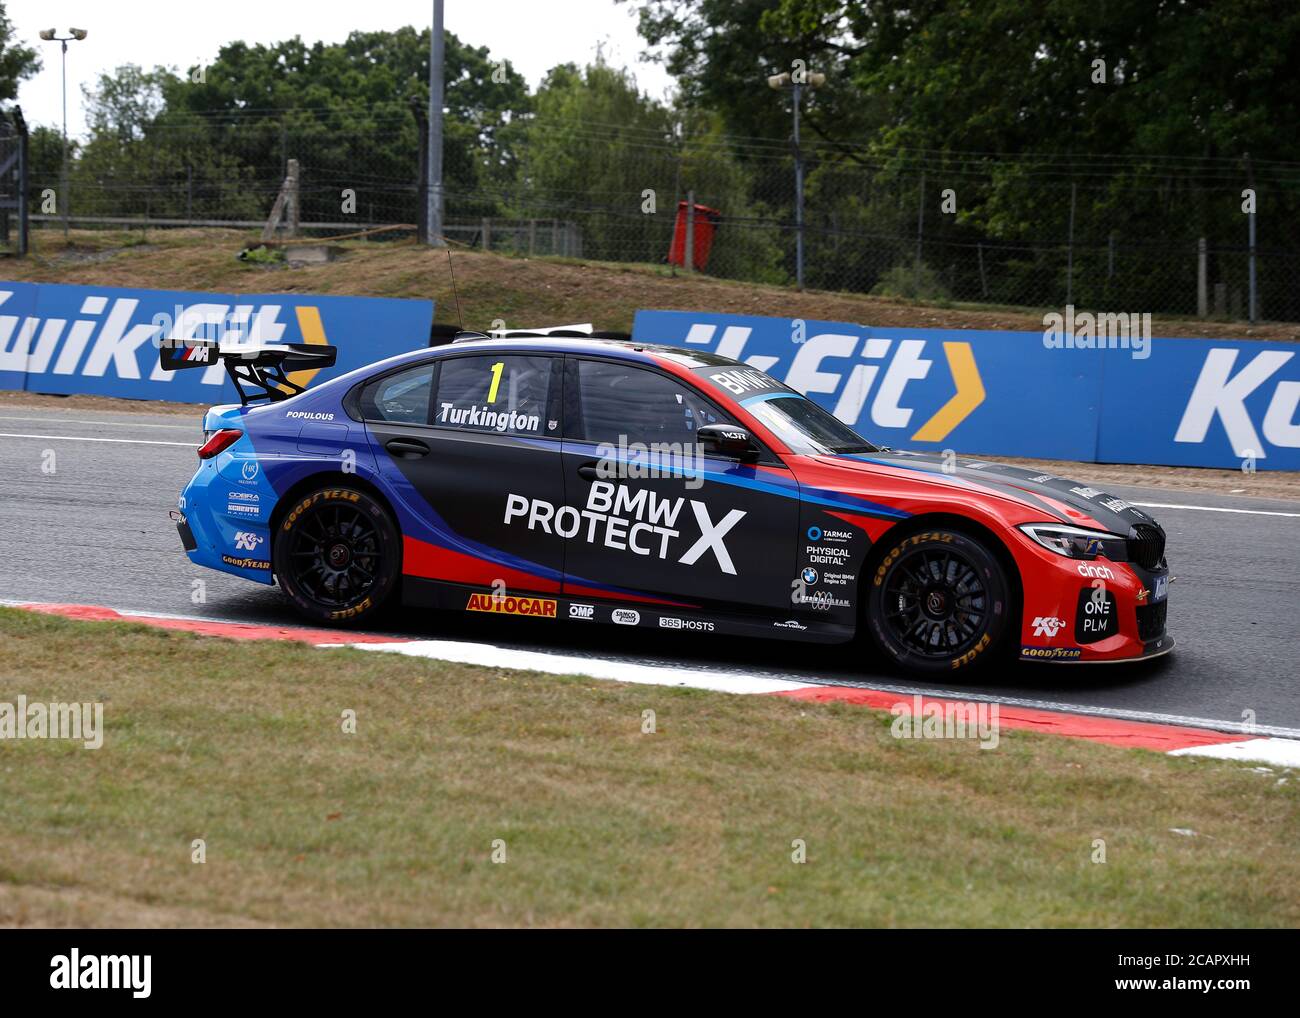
(629, 348)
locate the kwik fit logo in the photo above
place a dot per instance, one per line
(118, 337)
(869, 374)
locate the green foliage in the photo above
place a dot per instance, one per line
(911, 282)
(17, 62)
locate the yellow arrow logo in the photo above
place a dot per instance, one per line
(969, 394)
(313, 332)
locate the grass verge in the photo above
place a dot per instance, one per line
(241, 744)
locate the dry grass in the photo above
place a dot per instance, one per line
(522, 291)
(241, 744)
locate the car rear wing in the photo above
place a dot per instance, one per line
(260, 371)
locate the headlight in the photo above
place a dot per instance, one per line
(1075, 542)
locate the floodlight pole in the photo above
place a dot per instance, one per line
(50, 35)
(433, 161)
(796, 83)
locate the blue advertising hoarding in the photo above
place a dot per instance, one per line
(104, 340)
(1194, 402)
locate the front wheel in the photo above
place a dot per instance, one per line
(337, 555)
(938, 601)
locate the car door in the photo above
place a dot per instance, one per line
(463, 440)
(650, 515)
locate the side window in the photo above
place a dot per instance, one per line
(620, 400)
(402, 398)
(505, 394)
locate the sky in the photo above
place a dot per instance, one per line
(534, 35)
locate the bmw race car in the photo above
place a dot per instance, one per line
(595, 479)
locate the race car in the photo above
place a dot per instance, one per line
(590, 478)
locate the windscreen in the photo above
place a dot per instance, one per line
(805, 427)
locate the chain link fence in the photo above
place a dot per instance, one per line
(1162, 235)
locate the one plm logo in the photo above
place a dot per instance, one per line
(901, 360)
(115, 336)
(1218, 392)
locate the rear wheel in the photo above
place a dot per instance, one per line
(337, 555)
(938, 601)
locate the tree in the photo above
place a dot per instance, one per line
(17, 62)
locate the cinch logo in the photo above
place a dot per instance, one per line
(1219, 392)
(1095, 572)
(874, 370)
(110, 339)
(539, 606)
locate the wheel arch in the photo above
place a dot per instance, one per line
(330, 479)
(953, 521)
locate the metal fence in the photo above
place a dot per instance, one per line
(1160, 235)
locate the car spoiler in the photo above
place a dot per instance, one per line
(260, 371)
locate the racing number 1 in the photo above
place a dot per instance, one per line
(497, 368)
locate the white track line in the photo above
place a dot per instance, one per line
(1213, 509)
(84, 438)
(564, 664)
(1279, 752)
(96, 424)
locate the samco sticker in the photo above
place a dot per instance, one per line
(540, 606)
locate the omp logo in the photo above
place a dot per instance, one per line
(1218, 392)
(108, 339)
(856, 383)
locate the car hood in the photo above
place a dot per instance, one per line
(1052, 495)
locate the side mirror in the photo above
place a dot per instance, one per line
(728, 440)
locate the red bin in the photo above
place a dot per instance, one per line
(706, 222)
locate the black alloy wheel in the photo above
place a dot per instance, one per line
(937, 601)
(337, 555)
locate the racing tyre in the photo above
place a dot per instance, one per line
(938, 600)
(337, 555)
